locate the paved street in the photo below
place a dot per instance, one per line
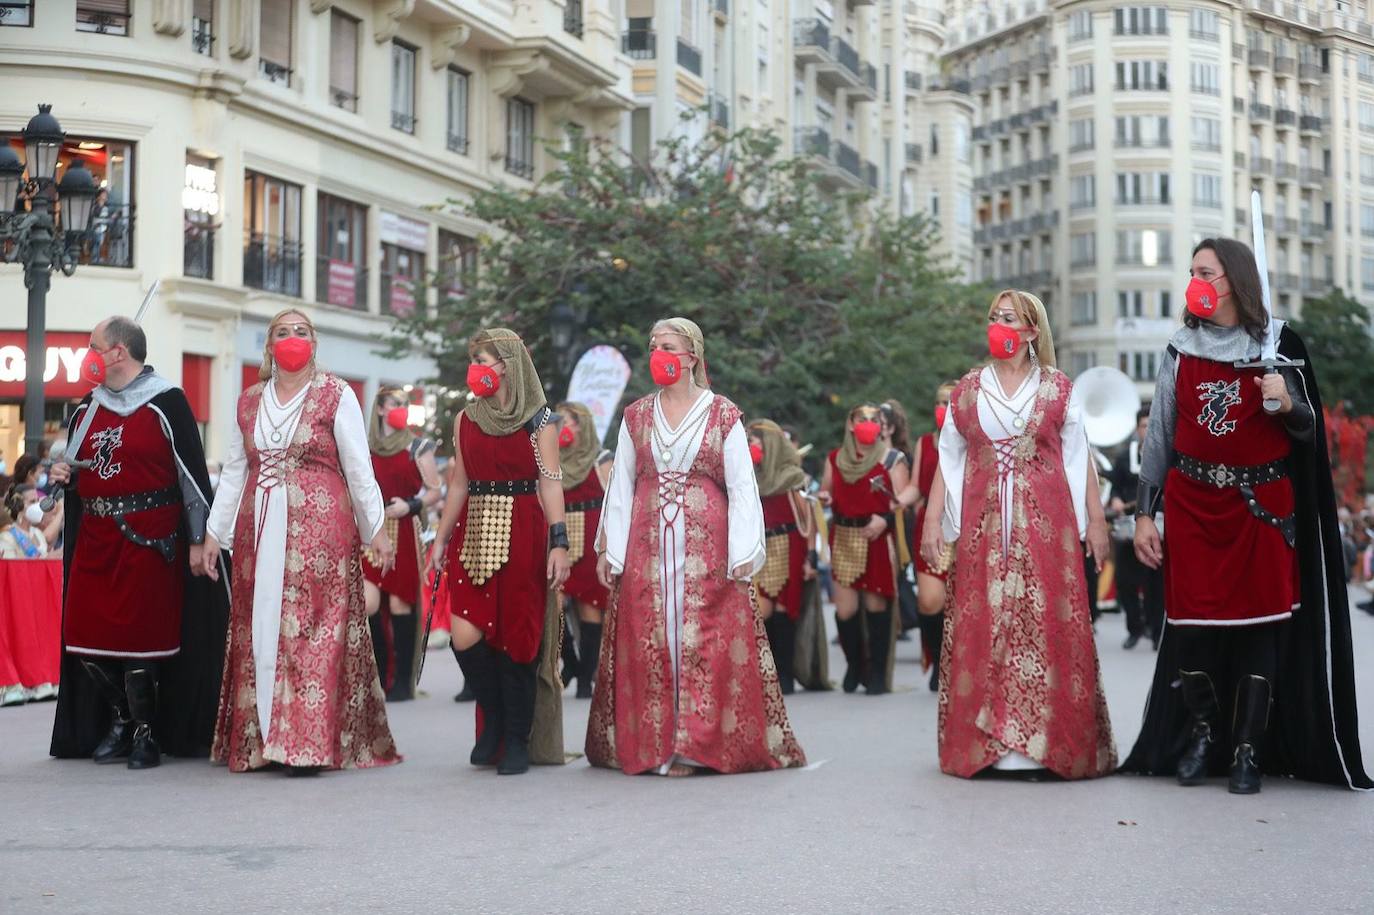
(871, 826)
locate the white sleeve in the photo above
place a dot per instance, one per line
(953, 449)
(232, 477)
(619, 500)
(1074, 442)
(355, 458)
(746, 510)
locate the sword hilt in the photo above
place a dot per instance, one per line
(1271, 405)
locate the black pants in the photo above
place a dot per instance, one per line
(1140, 591)
(1090, 574)
(1228, 653)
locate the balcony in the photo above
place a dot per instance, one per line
(198, 254)
(841, 165)
(1286, 225)
(1143, 143)
(1238, 105)
(272, 264)
(1286, 171)
(110, 241)
(980, 133)
(341, 283)
(1019, 121)
(981, 183)
(1286, 66)
(572, 17)
(403, 121)
(957, 84)
(812, 141)
(1313, 177)
(1285, 117)
(1314, 229)
(1020, 69)
(1238, 50)
(1287, 282)
(871, 175)
(914, 153)
(838, 64)
(1309, 73)
(913, 81)
(639, 44)
(1260, 59)
(1311, 123)
(1040, 61)
(1260, 112)
(997, 128)
(1260, 166)
(847, 158)
(1317, 286)
(719, 110)
(1144, 200)
(688, 58)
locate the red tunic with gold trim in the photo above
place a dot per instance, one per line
(780, 518)
(398, 477)
(1222, 564)
(586, 499)
(123, 599)
(857, 502)
(925, 479)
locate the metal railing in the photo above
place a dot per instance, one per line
(1309, 72)
(1261, 165)
(403, 121)
(1286, 65)
(572, 17)
(1285, 171)
(847, 158)
(913, 81)
(639, 44)
(1260, 59)
(719, 110)
(342, 98)
(202, 36)
(812, 141)
(1285, 117)
(1311, 122)
(110, 241)
(274, 72)
(914, 153)
(1260, 112)
(272, 264)
(198, 254)
(458, 142)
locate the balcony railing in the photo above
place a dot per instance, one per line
(1285, 171)
(639, 44)
(871, 175)
(1285, 225)
(1311, 123)
(202, 36)
(572, 17)
(1259, 112)
(688, 57)
(1261, 166)
(110, 242)
(1285, 117)
(1312, 176)
(913, 81)
(1144, 200)
(198, 258)
(274, 72)
(1312, 229)
(458, 142)
(340, 283)
(914, 152)
(720, 111)
(812, 141)
(1316, 285)
(1238, 105)
(1286, 66)
(847, 158)
(1260, 59)
(403, 121)
(342, 98)
(1309, 73)
(272, 264)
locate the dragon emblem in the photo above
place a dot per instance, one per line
(1218, 397)
(104, 444)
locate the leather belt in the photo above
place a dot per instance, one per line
(588, 506)
(847, 521)
(1226, 476)
(782, 529)
(117, 507)
(502, 487)
(1288, 526)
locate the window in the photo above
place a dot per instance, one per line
(200, 209)
(1365, 68)
(1207, 134)
(1142, 75)
(1141, 20)
(1204, 24)
(341, 253)
(272, 234)
(1082, 192)
(1143, 247)
(458, 83)
(1082, 249)
(108, 17)
(1130, 303)
(1207, 190)
(572, 17)
(1081, 25)
(402, 87)
(1081, 362)
(1081, 134)
(343, 60)
(1166, 308)
(1081, 79)
(275, 21)
(16, 12)
(203, 27)
(1206, 78)
(961, 149)
(457, 263)
(1140, 366)
(1083, 307)
(403, 263)
(963, 210)
(1142, 130)
(1367, 168)
(1367, 117)
(933, 207)
(1366, 220)
(520, 137)
(934, 141)
(1367, 272)
(1142, 188)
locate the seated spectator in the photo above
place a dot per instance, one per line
(22, 538)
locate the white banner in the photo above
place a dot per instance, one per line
(404, 232)
(598, 381)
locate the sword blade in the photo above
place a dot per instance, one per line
(147, 300)
(1269, 348)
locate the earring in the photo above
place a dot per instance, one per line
(1034, 356)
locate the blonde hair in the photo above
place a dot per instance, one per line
(688, 330)
(265, 372)
(1031, 312)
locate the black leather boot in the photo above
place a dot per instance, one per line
(481, 673)
(589, 654)
(851, 643)
(932, 642)
(403, 647)
(1200, 698)
(571, 667)
(115, 745)
(140, 685)
(782, 638)
(376, 626)
(879, 644)
(1253, 696)
(517, 697)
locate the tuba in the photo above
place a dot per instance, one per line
(1110, 404)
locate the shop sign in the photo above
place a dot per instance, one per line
(343, 283)
(61, 365)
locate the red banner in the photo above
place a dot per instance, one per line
(61, 370)
(343, 284)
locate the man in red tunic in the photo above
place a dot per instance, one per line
(136, 514)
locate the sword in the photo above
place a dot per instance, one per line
(429, 622)
(47, 502)
(147, 300)
(1269, 359)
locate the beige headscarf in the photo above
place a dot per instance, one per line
(383, 440)
(852, 464)
(265, 371)
(578, 458)
(781, 470)
(687, 329)
(526, 394)
(1031, 311)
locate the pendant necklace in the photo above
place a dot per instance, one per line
(666, 447)
(278, 429)
(1017, 420)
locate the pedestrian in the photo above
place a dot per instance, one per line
(135, 625)
(1139, 588)
(22, 537)
(860, 482)
(297, 499)
(584, 491)
(1258, 634)
(506, 498)
(403, 464)
(687, 681)
(1020, 686)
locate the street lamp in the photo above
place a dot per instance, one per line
(31, 237)
(562, 331)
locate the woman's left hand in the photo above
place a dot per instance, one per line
(875, 527)
(384, 551)
(558, 567)
(1098, 546)
(397, 508)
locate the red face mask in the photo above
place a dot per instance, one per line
(398, 417)
(866, 431)
(1201, 297)
(665, 368)
(292, 353)
(756, 453)
(566, 436)
(483, 380)
(1003, 341)
(940, 412)
(93, 367)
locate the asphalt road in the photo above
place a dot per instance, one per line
(870, 826)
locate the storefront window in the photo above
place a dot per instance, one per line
(341, 264)
(272, 234)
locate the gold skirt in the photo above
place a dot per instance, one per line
(773, 576)
(848, 555)
(486, 536)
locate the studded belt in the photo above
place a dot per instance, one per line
(590, 505)
(850, 521)
(1226, 476)
(783, 529)
(118, 506)
(502, 487)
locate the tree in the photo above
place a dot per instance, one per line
(1335, 329)
(809, 302)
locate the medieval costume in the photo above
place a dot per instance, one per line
(1020, 686)
(687, 678)
(583, 494)
(788, 521)
(297, 499)
(496, 560)
(931, 576)
(1254, 583)
(143, 640)
(396, 454)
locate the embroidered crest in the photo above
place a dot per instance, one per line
(104, 443)
(1218, 397)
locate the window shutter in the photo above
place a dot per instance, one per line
(275, 26)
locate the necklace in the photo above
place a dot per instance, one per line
(665, 448)
(1018, 421)
(280, 429)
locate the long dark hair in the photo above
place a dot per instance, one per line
(1238, 263)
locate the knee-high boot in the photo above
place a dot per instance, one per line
(403, 641)
(852, 644)
(115, 745)
(932, 642)
(517, 699)
(879, 646)
(480, 670)
(376, 625)
(589, 654)
(140, 685)
(1200, 698)
(1253, 695)
(465, 694)
(782, 638)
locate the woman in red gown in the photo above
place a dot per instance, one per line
(584, 490)
(505, 502)
(860, 482)
(788, 528)
(403, 463)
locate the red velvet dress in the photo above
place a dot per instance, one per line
(925, 478)
(780, 518)
(585, 498)
(508, 607)
(1222, 565)
(860, 500)
(398, 476)
(124, 600)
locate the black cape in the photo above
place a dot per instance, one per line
(1313, 728)
(189, 682)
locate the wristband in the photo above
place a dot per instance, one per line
(415, 504)
(558, 536)
(891, 519)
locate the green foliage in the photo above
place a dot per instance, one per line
(809, 302)
(1335, 329)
